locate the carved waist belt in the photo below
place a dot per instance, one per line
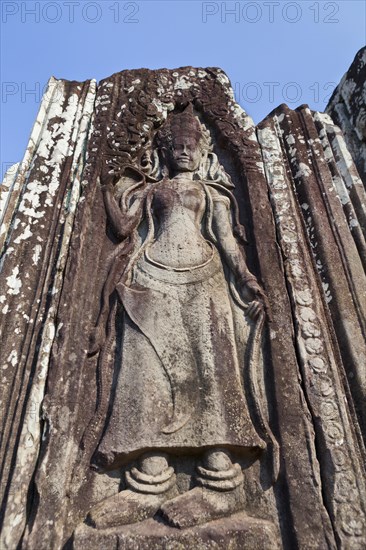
(194, 274)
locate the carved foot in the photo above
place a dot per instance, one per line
(220, 493)
(152, 483)
(127, 507)
(201, 505)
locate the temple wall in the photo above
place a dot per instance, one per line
(298, 183)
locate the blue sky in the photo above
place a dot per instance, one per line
(273, 51)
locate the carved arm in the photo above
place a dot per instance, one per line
(232, 253)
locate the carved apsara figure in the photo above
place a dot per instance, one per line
(189, 303)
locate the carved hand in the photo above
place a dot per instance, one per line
(108, 174)
(252, 292)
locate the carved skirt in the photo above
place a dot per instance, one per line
(179, 385)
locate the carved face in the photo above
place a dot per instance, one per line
(184, 155)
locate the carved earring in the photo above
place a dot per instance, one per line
(203, 165)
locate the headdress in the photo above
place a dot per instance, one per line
(183, 123)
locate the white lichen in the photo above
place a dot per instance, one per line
(13, 282)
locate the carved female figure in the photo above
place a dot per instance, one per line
(183, 289)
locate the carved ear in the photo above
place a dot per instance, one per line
(203, 167)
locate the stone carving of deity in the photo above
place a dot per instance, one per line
(192, 314)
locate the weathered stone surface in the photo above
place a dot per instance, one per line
(302, 206)
(347, 107)
(240, 532)
(71, 472)
(337, 441)
(9, 192)
(38, 222)
(331, 201)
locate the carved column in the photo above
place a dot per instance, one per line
(347, 107)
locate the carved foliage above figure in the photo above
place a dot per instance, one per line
(144, 103)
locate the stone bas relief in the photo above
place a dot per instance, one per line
(144, 365)
(191, 316)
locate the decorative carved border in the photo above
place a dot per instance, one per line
(341, 470)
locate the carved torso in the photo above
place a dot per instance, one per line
(178, 208)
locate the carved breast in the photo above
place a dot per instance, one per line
(178, 208)
(171, 195)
